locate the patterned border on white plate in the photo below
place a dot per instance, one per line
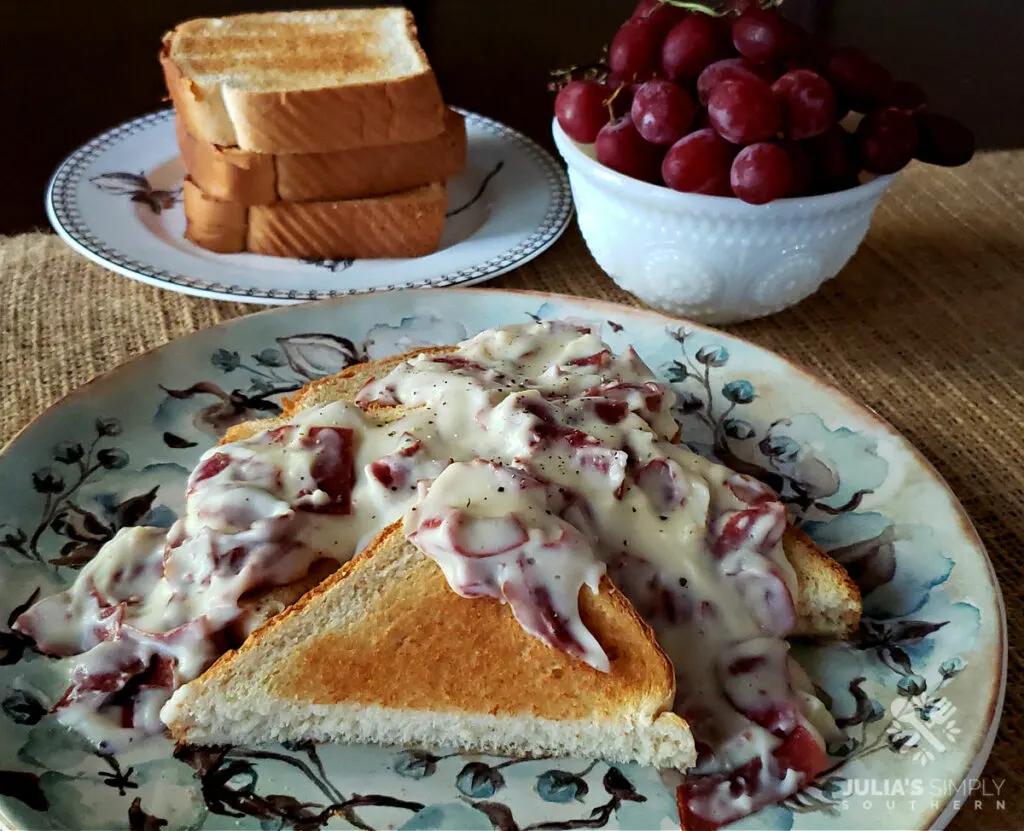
(69, 223)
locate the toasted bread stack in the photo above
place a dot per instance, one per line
(311, 134)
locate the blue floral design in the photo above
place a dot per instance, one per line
(787, 454)
(457, 816)
(918, 644)
(62, 486)
(259, 378)
(412, 332)
(562, 785)
(896, 565)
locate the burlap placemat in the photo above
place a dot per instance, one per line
(926, 325)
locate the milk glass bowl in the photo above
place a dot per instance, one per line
(712, 258)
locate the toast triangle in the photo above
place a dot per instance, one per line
(383, 651)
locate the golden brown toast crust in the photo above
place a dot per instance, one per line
(288, 45)
(230, 174)
(819, 578)
(226, 173)
(216, 226)
(343, 386)
(407, 224)
(306, 120)
(420, 646)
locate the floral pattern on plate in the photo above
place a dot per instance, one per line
(916, 691)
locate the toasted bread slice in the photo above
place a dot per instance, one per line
(384, 651)
(303, 82)
(828, 602)
(247, 178)
(341, 387)
(406, 224)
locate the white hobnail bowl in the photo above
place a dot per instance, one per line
(712, 258)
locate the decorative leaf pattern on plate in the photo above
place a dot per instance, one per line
(176, 442)
(138, 188)
(84, 531)
(334, 266)
(14, 645)
(807, 482)
(139, 820)
(23, 786)
(903, 651)
(562, 786)
(416, 764)
(22, 707)
(317, 355)
(478, 780)
(476, 197)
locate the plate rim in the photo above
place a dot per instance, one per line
(940, 816)
(66, 220)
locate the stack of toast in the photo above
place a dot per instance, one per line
(317, 135)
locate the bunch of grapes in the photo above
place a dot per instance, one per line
(748, 104)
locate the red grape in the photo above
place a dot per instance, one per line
(699, 163)
(802, 167)
(788, 127)
(906, 95)
(834, 159)
(580, 109)
(943, 140)
(690, 46)
(616, 79)
(861, 82)
(809, 52)
(744, 110)
(725, 70)
(620, 95)
(662, 112)
(808, 103)
(761, 172)
(886, 140)
(620, 147)
(635, 49)
(762, 35)
(806, 51)
(644, 8)
(663, 15)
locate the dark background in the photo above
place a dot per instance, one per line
(70, 70)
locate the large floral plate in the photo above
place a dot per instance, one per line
(918, 692)
(117, 201)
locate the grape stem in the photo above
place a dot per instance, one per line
(611, 100)
(596, 71)
(702, 8)
(697, 7)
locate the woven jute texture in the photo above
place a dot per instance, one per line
(926, 325)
